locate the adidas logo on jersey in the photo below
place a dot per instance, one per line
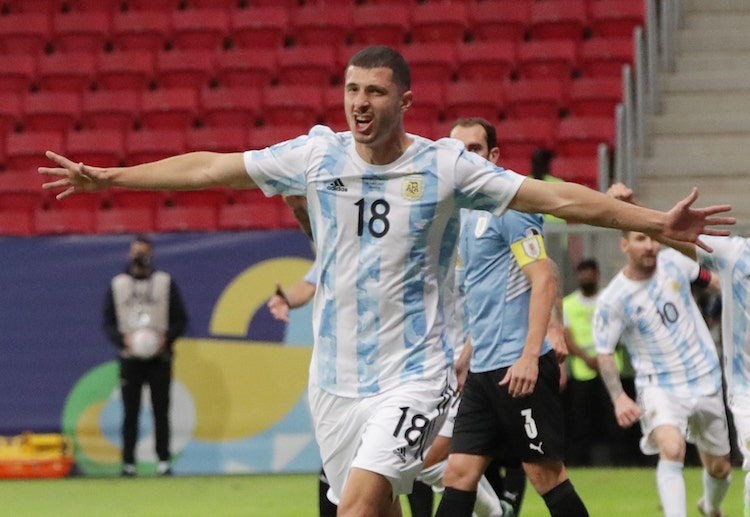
(401, 453)
(337, 186)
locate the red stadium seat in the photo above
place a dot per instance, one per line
(556, 60)
(110, 109)
(535, 98)
(22, 190)
(124, 220)
(149, 145)
(16, 222)
(202, 28)
(24, 6)
(24, 33)
(151, 199)
(594, 96)
(606, 56)
(438, 22)
(185, 218)
(308, 65)
(25, 151)
(224, 139)
(520, 165)
(125, 70)
(486, 61)
(103, 148)
(213, 198)
(333, 108)
(581, 136)
(499, 20)
(184, 68)
(243, 68)
(474, 99)
(616, 18)
(63, 221)
(141, 30)
(63, 71)
(261, 137)
(519, 138)
(583, 170)
(321, 25)
(81, 31)
(157, 5)
(259, 27)
(18, 74)
(561, 19)
(51, 111)
(427, 106)
(381, 25)
(230, 107)
(10, 114)
(430, 61)
(260, 215)
(173, 108)
(296, 105)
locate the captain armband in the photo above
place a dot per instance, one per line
(529, 249)
(703, 280)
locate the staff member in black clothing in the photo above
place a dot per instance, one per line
(143, 315)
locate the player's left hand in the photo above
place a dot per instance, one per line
(76, 177)
(521, 376)
(556, 337)
(686, 224)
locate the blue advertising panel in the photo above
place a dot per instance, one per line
(239, 401)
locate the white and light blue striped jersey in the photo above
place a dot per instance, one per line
(311, 277)
(662, 328)
(386, 241)
(497, 291)
(730, 260)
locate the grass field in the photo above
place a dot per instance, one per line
(607, 492)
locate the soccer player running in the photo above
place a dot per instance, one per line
(384, 207)
(649, 306)
(511, 400)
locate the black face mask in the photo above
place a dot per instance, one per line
(589, 289)
(142, 261)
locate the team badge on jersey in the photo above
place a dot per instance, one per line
(412, 188)
(482, 224)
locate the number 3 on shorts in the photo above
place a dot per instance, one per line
(529, 424)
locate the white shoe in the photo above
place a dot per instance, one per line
(704, 512)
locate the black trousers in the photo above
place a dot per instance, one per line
(134, 373)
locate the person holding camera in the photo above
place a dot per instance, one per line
(143, 316)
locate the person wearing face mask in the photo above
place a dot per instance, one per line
(143, 316)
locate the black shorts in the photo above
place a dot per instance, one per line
(492, 423)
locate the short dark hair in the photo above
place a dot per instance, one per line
(540, 162)
(382, 56)
(143, 239)
(489, 128)
(588, 263)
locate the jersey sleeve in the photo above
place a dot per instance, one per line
(724, 251)
(609, 324)
(689, 267)
(280, 168)
(312, 276)
(524, 233)
(481, 185)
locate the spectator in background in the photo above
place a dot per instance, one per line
(143, 316)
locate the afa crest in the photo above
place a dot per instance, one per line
(412, 188)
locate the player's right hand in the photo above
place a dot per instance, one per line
(75, 177)
(279, 305)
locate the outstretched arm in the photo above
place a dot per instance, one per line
(576, 203)
(191, 171)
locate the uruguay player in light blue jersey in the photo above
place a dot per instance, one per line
(649, 306)
(384, 207)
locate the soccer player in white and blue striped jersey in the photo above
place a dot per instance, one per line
(649, 306)
(384, 208)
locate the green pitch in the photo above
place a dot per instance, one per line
(607, 492)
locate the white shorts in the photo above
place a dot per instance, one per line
(701, 420)
(388, 433)
(739, 405)
(447, 430)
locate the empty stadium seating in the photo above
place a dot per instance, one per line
(474, 99)
(438, 22)
(66, 71)
(230, 106)
(124, 220)
(81, 31)
(259, 27)
(16, 222)
(386, 24)
(499, 20)
(486, 61)
(110, 109)
(202, 28)
(536, 98)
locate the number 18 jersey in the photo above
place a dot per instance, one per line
(386, 242)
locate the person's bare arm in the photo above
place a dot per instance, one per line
(298, 206)
(296, 296)
(522, 375)
(555, 329)
(576, 203)
(627, 411)
(191, 171)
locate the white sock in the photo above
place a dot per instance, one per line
(671, 487)
(714, 491)
(487, 503)
(433, 475)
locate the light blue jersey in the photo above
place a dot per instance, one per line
(659, 322)
(730, 260)
(386, 241)
(497, 291)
